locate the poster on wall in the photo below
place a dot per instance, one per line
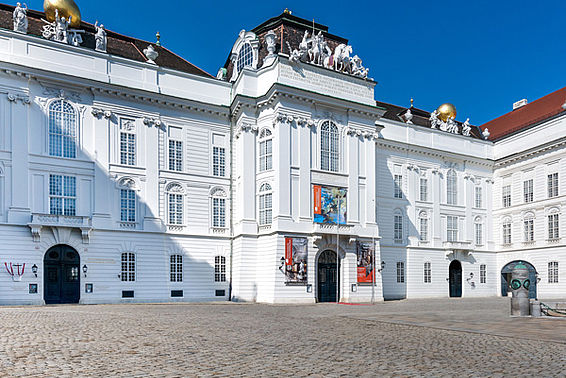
(365, 253)
(329, 204)
(296, 257)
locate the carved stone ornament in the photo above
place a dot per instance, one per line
(127, 125)
(20, 18)
(408, 117)
(149, 122)
(59, 31)
(17, 97)
(150, 54)
(270, 42)
(486, 133)
(100, 37)
(99, 113)
(288, 118)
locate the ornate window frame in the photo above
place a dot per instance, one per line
(218, 193)
(451, 187)
(265, 190)
(244, 37)
(423, 216)
(174, 188)
(77, 131)
(398, 213)
(478, 221)
(265, 135)
(128, 183)
(339, 145)
(506, 220)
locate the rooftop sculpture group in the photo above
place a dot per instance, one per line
(315, 50)
(59, 31)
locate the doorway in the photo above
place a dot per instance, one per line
(455, 279)
(506, 278)
(327, 277)
(61, 275)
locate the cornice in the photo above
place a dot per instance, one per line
(532, 152)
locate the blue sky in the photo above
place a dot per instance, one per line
(480, 55)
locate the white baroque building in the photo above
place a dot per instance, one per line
(128, 174)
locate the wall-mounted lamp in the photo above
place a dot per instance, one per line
(382, 266)
(282, 263)
(354, 288)
(85, 269)
(34, 269)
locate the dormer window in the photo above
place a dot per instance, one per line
(245, 57)
(245, 53)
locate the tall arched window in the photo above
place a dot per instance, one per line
(175, 204)
(423, 226)
(265, 150)
(529, 227)
(245, 57)
(506, 231)
(329, 153)
(478, 231)
(265, 204)
(218, 208)
(398, 226)
(451, 188)
(62, 129)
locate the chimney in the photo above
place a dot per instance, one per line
(520, 104)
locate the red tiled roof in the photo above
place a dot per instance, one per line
(537, 111)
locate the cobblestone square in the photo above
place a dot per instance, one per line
(437, 337)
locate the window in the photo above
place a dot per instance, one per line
(398, 186)
(427, 273)
(219, 208)
(506, 195)
(424, 189)
(553, 272)
(175, 155)
(483, 276)
(128, 267)
(400, 272)
(176, 268)
(62, 129)
(219, 269)
(265, 150)
(62, 195)
(451, 188)
(553, 185)
(423, 229)
(265, 203)
(127, 142)
(218, 161)
(398, 228)
(245, 57)
(478, 231)
(478, 197)
(506, 232)
(528, 190)
(175, 208)
(529, 230)
(329, 147)
(553, 227)
(127, 205)
(452, 228)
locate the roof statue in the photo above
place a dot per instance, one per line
(100, 37)
(66, 8)
(466, 129)
(20, 18)
(270, 39)
(59, 31)
(408, 117)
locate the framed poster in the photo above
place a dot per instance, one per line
(296, 260)
(365, 254)
(329, 204)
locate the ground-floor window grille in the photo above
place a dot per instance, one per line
(219, 269)
(427, 273)
(400, 272)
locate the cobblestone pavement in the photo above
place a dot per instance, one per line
(438, 337)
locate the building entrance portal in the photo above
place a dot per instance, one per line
(455, 279)
(61, 275)
(506, 278)
(327, 277)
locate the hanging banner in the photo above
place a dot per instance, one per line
(365, 254)
(296, 257)
(329, 204)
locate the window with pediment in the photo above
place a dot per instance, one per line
(175, 204)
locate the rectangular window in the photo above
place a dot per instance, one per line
(506, 233)
(552, 185)
(128, 267)
(176, 268)
(529, 230)
(423, 232)
(127, 148)
(479, 234)
(218, 161)
(478, 197)
(553, 272)
(400, 272)
(398, 186)
(218, 212)
(127, 205)
(528, 190)
(553, 227)
(483, 276)
(265, 209)
(175, 155)
(175, 208)
(451, 188)
(62, 195)
(452, 228)
(398, 228)
(219, 269)
(427, 273)
(424, 189)
(265, 155)
(506, 193)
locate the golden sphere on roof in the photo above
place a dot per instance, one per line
(66, 8)
(446, 111)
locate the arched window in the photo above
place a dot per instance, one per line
(175, 204)
(529, 227)
(265, 150)
(128, 271)
(398, 226)
(62, 129)
(329, 153)
(553, 224)
(245, 57)
(451, 188)
(219, 208)
(506, 230)
(265, 204)
(423, 226)
(478, 231)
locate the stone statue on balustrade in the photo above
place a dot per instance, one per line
(100, 37)
(20, 18)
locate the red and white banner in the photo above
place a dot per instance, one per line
(317, 189)
(289, 251)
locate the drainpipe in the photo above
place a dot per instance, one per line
(231, 196)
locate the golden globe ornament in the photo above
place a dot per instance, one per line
(66, 8)
(446, 111)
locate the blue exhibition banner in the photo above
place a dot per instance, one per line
(330, 205)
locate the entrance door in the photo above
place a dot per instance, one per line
(506, 278)
(327, 276)
(455, 278)
(62, 279)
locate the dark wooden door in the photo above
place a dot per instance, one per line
(455, 278)
(62, 278)
(327, 277)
